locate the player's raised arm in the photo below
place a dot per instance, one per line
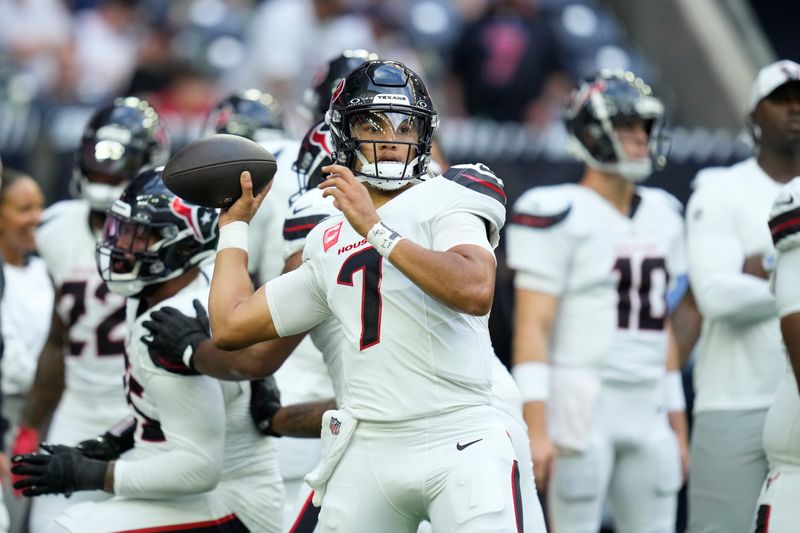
(239, 316)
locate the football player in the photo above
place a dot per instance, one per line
(593, 262)
(740, 358)
(78, 375)
(411, 288)
(197, 460)
(777, 510)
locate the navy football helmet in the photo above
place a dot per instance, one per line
(382, 121)
(250, 113)
(120, 140)
(612, 98)
(317, 98)
(151, 236)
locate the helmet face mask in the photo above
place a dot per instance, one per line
(120, 140)
(151, 236)
(600, 110)
(382, 122)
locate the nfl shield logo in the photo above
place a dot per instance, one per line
(334, 426)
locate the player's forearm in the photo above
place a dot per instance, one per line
(790, 327)
(461, 279)
(254, 362)
(47, 389)
(687, 323)
(301, 420)
(734, 297)
(238, 316)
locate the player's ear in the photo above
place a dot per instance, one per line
(753, 126)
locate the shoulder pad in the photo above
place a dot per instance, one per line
(64, 209)
(479, 178)
(784, 219)
(542, 207)
(709, 175)
(662, 197)
(308, 211)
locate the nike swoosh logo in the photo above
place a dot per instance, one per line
(784, 201)
(299, 209)
(460, 446)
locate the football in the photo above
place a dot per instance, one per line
(206, 172)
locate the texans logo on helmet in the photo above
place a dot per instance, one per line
(338, 90)
(321, 138)
(189, 214)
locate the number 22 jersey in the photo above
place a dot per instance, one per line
(405, 354)
(609, 271)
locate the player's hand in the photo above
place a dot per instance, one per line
(245, 207)
(62, 470)
(111, 444)
(265, 401)
(543, 453)
(174, 337)
(351, 197)
(25, 441)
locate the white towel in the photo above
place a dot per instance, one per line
(571, 407)
(337, 430)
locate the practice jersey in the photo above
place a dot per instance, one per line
(739, 356)
(94, 317)
(264, 242)
(610, 272)
(405, 354)
(188, 425)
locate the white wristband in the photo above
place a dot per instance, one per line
(533, 381)
(674, 400)
(383, 238)
(233, 235)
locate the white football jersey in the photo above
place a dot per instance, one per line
(264, 238)
(610, 273)
(405, 354)
(180, 417)
(94, 317)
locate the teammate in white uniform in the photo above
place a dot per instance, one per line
(777, 510)
(593, 262)
(197, 460)
(740, 359)
(84, 353)
(417, 350)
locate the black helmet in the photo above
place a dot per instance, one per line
(388, 100)
(315, 153)
(318, 97)
(249, 113)
(120, 140)
(611, 98)
(151, 236)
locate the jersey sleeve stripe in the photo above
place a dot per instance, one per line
(784, 225)
(540, 221)
(299, 228)
(488, 186)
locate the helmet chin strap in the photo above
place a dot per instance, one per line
(100, 196)
(391, 175)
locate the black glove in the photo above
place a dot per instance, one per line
(63, 470)
(174, 338)
(111, 444)
(265, 401)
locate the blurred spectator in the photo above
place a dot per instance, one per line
(506, 65)
(32, 35)
(290, 39)
(28, 302)
(106, 42)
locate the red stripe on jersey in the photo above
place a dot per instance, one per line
(786, 224)
(492, 186)
(186, 527)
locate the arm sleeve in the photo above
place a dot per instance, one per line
(192, 412)
(296, 301)
(458, 228)
(787, 282)
(716, 257)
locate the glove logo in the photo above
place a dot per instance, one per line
(334, 426)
